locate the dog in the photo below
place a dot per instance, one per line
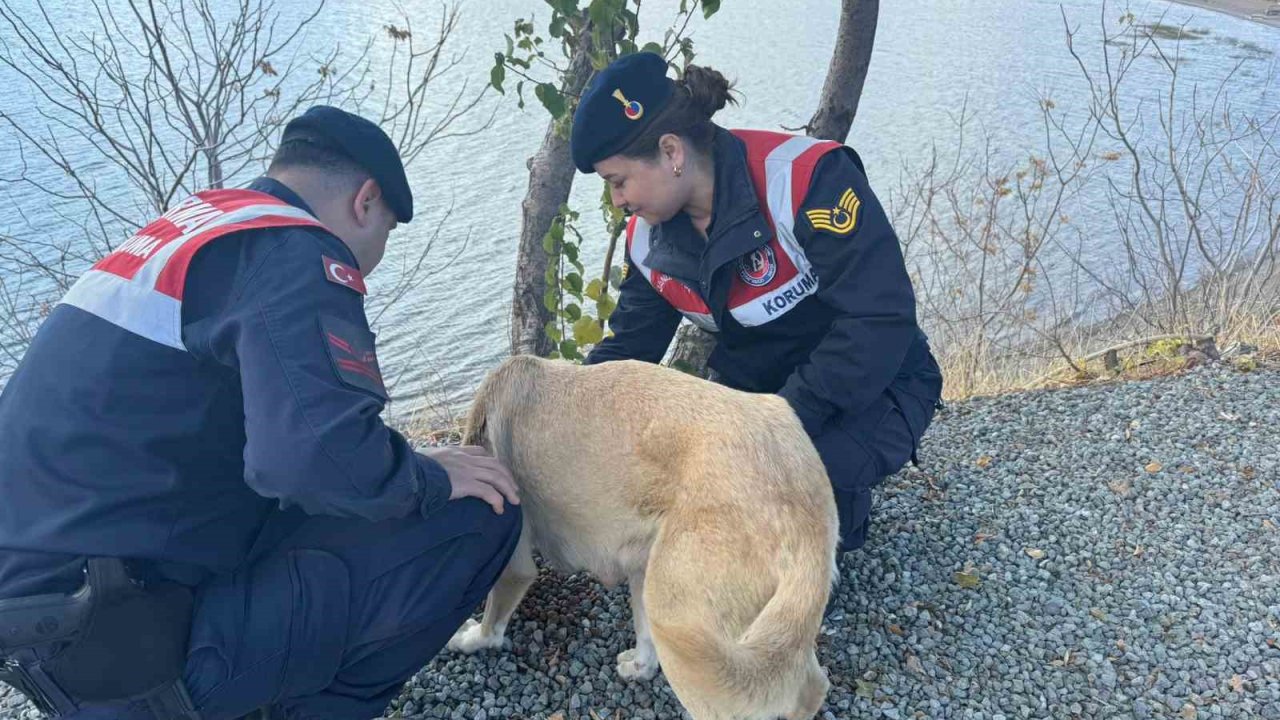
(711, 503)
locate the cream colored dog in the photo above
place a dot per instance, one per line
(711, 503)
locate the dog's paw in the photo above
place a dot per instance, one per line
(470, 638)
(636, 665)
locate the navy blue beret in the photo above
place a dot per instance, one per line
(617, 105)
(364, 143)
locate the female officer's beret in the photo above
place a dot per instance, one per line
(617, 105)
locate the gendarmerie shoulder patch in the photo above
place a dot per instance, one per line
(841, 219)
(350, 348)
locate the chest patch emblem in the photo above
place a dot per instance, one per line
(758, 268)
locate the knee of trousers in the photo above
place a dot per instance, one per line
(489, 541)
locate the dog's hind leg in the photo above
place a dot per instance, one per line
(812, 691)
(640, 662)
(506, 594)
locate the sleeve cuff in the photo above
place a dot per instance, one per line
(435, 487)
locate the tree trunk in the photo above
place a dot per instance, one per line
(846, 75)
(848, 71)
(550, 179)
(693, 347)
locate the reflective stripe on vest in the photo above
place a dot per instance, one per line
(679, 295)
(139, 285)
(775, 277)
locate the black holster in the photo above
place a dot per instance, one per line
(114, 640)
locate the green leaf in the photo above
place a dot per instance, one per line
(520, 94)
(551, 300)
(556, 29)
(555, 355)
(553, 241)
(571, 252)
(553, 332)
(605, 307)
(564, 7)
(550, 97)
(573, 312)
(497, 75)
(686, 50)
(593, 289)
(586, 331)
(573, 283)
(652, 47)
(569, 349)
(603, 12)
(511, 45)
(710, 7)
(615, 276)
(632, 21)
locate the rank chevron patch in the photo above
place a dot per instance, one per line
(839, 220)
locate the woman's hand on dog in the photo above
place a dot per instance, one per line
(473, 472)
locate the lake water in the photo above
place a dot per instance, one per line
(930, 59)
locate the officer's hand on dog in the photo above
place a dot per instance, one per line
(473, 472)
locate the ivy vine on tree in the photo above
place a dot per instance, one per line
(579, 307)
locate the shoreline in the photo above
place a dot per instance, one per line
(1252, 10)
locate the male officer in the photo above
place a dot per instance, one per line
(203, 405)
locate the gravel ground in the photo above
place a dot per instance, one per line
(1098, 552)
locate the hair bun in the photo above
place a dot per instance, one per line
(708, 89)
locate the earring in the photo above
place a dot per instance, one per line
(677, 170)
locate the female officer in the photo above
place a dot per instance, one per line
(777, 245)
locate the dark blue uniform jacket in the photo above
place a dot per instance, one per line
(112, 444)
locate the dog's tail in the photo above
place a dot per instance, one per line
(776, 651)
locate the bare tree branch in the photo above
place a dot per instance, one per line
(139, 103)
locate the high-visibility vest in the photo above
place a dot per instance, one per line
(774, 277)
(138, 286)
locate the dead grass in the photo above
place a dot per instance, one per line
(435, 421)
(421, 433)
(1002, 375)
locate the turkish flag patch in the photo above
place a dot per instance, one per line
(343, 274)
(350, 347)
